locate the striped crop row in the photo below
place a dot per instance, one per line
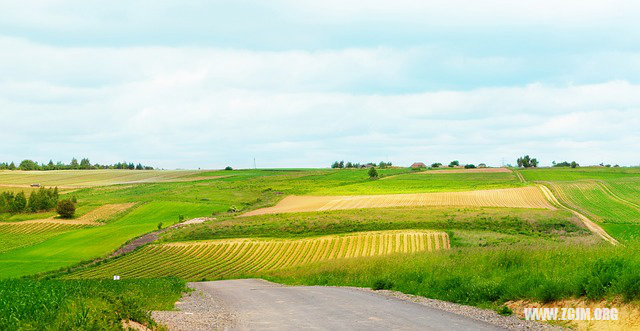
(238, 257)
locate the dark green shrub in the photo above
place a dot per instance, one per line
(373, 173)
(382, 284)
(66, 208)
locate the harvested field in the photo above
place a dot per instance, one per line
(70, 179)
(91, 218)
(465, 171)
(237, 257)
(524, 197)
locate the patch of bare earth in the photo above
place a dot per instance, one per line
(523, 197)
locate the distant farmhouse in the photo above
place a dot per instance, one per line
(418, 165)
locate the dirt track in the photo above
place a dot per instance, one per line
(592, 226)
(523, 197)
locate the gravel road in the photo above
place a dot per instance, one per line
(258, 304)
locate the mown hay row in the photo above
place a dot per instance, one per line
(237, 257)
(522, 197)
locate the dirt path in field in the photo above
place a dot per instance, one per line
(522, 197)
(592, 226)
(255, 304)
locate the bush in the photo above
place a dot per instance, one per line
(66, 208)
(160, 226)
(469, 166)
(436, 165)
(228, 168)
(382, 284)
(454, 163)
(373, 173)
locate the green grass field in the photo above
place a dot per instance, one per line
(499, 253)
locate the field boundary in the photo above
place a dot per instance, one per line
(592, 226)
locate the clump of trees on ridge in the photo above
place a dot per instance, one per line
(349, 164)
(41, 200)
(527, 162)
(84, 164)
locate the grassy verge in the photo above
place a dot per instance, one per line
(31, 304)
(488, 277)
(529, 222)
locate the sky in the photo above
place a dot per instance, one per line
(205, 84)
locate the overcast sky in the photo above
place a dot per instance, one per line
(205, 84)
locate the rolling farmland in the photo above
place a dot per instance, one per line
(235, 257)
(90, 178)
(525, 197)
(16, 235)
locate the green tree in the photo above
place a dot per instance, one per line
(19, 203)
(373, 173)
(73, 164)
(12, 166)
(527, 162)
(66, 208)
(436, 165)
(85, 164)
(574, 164)
(28, 165)
(454, 163)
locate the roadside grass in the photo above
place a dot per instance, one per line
(487, 277)
(51, 304)
(529, 222)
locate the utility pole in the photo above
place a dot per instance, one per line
(254, 163)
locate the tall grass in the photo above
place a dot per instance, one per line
(488, 277)
(31, 304)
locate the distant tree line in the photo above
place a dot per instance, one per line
(84, 164)
(573, 164)
(41, 200)
(342, 165)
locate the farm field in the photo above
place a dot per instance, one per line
(89, 178)
(525, 197)
(335, 221)
(237, 257)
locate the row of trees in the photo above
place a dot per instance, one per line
(349, 164)
(40, 200)
(84, 164)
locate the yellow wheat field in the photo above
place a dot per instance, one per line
(522, 197)
(237, 257)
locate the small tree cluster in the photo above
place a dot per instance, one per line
(40, 200)
(84, 164)
(454, 163)
(349, 164)
(572, 164)
(527, 162)
(436, 165)
(469, 166)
